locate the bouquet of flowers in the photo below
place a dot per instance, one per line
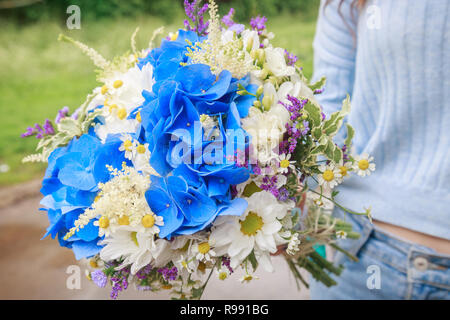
(196, 158)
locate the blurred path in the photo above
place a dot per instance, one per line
(36, 269)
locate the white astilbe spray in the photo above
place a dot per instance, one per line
(219, 56)
(123, 195)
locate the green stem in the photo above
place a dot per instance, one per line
(338, 205)
(207, 280)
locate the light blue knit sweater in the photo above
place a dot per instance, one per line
(397, 72)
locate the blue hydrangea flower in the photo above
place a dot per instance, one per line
(70, 186)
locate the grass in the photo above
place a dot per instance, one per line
(39, 75)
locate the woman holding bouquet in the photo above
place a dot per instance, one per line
(393, 58)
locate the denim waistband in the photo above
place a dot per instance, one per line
(420, 263)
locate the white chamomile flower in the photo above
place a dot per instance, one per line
(363, 165)
(341, 234)
(330, 176)
(128, 145)
(344, 168)
(247, 278)
(203, 250)
(222, 273)
(285, 164)
(184, 264)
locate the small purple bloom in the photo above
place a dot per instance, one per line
(48, 127)
(228, 18)
(99, 278)
(61, 114)
(258, 23)
(30, 131)
(238, 28)
(291, 58)
(195, 14)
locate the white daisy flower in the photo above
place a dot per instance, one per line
(330, 176)
(363, 165)
(222, 273)
(344, 168)
(203, 250)
(257, 229)
(128, 145)
(341, 234)
(285, 164)
(135, 248)
(247, 278)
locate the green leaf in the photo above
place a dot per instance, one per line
(318, 149)
(69, 126)
(346, 106)
(318, 84)
(251, 257)
(314, 113)
(350, 135)
(329, 150)
(331, 130)
(317, 133)
(337, 155)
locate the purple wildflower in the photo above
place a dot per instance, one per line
(61, 114)
(318, 91)
(227, 263)
(195, 15)
(237, 27)
(283, 194)
(30, 131)
(291, 58)
(99, 278)
(228, 18)
(299, 127)
(258, 23)
(169, 274)
(48, 127)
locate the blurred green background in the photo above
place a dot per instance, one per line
(39, 75)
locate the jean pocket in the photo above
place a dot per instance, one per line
(360, 225)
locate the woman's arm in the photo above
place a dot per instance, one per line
(335, 54)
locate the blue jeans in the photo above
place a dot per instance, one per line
(388, 268)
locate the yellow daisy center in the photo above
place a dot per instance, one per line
(363, 164)
(148, 221)
(104, 89)
(284, 163)
(103, 222)
(122, 113)
(93, 263)
(124, 220)
(138, 117)
(223, 275)
(117, 84)
(127, 145)
(203, 247)
(328, 175)
(112, 107)
(140, 149)
(344, 170)
(133, 236)
(248, 277)
(97, 198)
(174, 36)
(252, 224)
